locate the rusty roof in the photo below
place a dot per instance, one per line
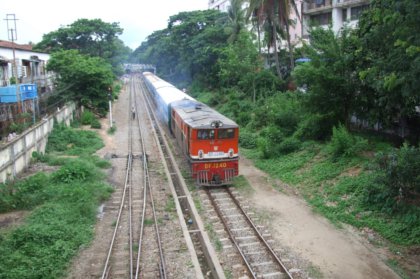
(7, 44)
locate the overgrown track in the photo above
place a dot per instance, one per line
(257, 255)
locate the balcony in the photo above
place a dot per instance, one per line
(317, 6)
(349, 3)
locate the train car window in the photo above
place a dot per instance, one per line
(225, 133)
(205, 134)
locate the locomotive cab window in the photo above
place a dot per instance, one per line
(225, 133)
(205, 134)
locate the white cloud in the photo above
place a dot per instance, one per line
(138, 18)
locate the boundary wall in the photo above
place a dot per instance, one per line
(16, 155)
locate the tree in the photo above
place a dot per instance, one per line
(276, 13)
(188, 48)
(389, 62)
(236, 19)
(90, 37)
(86, 79)
(331, 78)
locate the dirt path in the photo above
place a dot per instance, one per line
(337, 253)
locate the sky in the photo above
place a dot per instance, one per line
(138, 18)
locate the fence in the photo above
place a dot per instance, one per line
(15, 156)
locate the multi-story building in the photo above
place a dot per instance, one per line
(336, 13)
(295, 29)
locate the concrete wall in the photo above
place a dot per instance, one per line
(15, 156)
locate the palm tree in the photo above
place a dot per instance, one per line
(236, 19)
(277, 12)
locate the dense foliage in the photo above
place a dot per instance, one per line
(63, 205)
(82, 78)
(355, 79)
(388, 61)
(188, 48)
(91, 37)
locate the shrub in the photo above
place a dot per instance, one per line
(24, 194)
(289, 145)
(87, 117)
(315, 127)
(247, 139)
(95, 124)
(401, 171)
(74, 170)
(345, 144)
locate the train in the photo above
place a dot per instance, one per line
(208, 139)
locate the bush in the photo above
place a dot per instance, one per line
(247, 139)
(401, 171)
(87, 117)
(345, 144)
(74, 170)
(24, 194)
(289, 145)
(315, 127)
(95, 124)
(72, 142)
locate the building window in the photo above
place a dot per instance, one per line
(344, 14)
(357, 11)
(321, 19)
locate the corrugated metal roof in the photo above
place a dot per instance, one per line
(198, 115)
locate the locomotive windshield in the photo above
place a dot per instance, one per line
(225, 133)
(205, 134)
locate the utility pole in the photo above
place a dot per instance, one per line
(110, 106)
(12, 34)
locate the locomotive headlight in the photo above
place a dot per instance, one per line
(200, 154)
(230, 152)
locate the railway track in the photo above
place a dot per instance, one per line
(136, 208)
(255, 252)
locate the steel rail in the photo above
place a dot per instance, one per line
(128, 180)
(147, 185)
(230, 234)
(259, 235)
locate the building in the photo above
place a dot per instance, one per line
(336, 13)
(19, 64)
(30, 65)
(295, 29)
(221, 5)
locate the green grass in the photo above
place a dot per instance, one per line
(337, 187)
(63, 205)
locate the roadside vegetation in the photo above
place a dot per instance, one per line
(330, 127)
(61, 205)
(342, 128)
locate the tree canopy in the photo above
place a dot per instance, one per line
(86, 79)
(188, 48)
(91, 37)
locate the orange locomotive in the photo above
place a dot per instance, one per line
(208, 138)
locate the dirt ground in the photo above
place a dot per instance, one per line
(336, 253)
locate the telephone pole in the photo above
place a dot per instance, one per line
(12, 34)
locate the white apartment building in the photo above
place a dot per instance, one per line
(318, 12)
(221, 5)
(336, 13)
